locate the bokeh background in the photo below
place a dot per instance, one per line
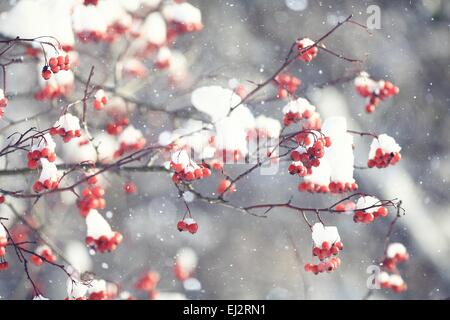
(245, 257)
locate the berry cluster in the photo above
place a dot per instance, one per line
(68, 127)
(187, 224)
(393, 282)
(384, 151)
(340, 187)
(3, 102)
(185, 169)
(55, 64)
(92, 2)
(309, 54)
(327, 246)
(304, 158)
(91, 198)
(299, 109)
(395, 253)
(287, 85)
(44, 149)
(376, 91)
(100, 99)
(104, 243)
(49, 178)
(368, 209)
(116, 127)
(43, 253)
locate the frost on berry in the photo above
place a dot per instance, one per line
(185, 263)
(326, 246)
(49, 177)
(131, 139)
(368, 209)
(384, 151)
(99, 234)
(67, 126)
(340, 155)
(374, 91)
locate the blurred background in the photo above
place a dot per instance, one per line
(245, 257)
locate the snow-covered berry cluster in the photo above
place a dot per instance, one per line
(43, 254)
(327, 245)
(301, 109)
(187, 224)
(305, 157)
(374, 90)
(131, 139)
(100, 99)
(3, 102)
(116, 127)
(185, 169)
(45, 148)
(59, 85)
(384, 151)
(49, 178)
(394, 282)
(182, 17)
(368, 209)
(100, 236)
(68, 127)
(287, 85)
(306, 50)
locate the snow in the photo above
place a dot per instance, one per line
(394, 249)
(130, 135)
(184, 13)
(76, 289)
(321, 234)
(3, 233)
(97, 285)
(100, 94)
(134, 5)
(40, 297)
(396, 280)
(215, 101)
(68, 122)
(298, 106)
(187, 259)
(154, 29)
(366, 202)
(385, 142)
(320, 175)
(340, 153)
(269, 125)
(230, 136)
(181, 157)
(49, 171)
(46, 142)
(97, 226)
(88, 18)
(77, 254)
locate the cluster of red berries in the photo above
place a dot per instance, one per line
(293, 117)
(103, 243)
(116, 127)
(55, 64)
(124, 147)
(66, 135)
(35, 155)
(100, 99)
(287, 85)
(148, 283)
(306, 158)
(50, 92)
(327, 252)
(340, 187)
(43, 253)
(383, 159)
(187, 224)
(312, 187)
(3, 103)
(309, 54)
(390, 262)
(369, 217)
(91, 198)
(48, 184)
(190, 172)
(384, 89)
